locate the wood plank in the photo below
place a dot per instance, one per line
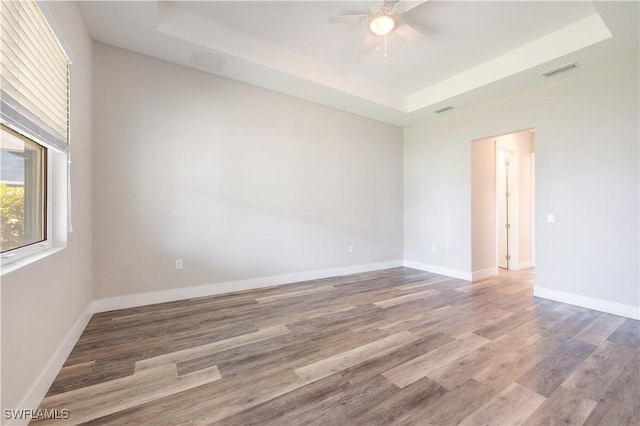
(563, 407)
(93, 372)
(571, 325)
(473, 321)
(305, 315)
(373, 367)
(515, 287)
(285, 352)
(198, 351)
(414, 321)
(346, 407)
(399, 318)
(543, 322)
(158, 343)
(406, 298)
(288, 404)
(452, 407)
(549, 373)
(460, 370)
(613, 412)
(429, 363)
(336, 363)
(501, 328)
(292, 294)
(112, 396)
(592, 378)
(620, 404)
(600, 329)
(474, 287)
(508, 368)
(628, 334)
(396, 405)
(511, 406)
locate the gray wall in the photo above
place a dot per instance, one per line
(45, 301)
(237, 181)
(587, 140)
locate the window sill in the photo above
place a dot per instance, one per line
(29, 259)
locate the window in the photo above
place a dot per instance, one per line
(23, 191)
(34, 135)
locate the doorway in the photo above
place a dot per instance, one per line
(502, 203)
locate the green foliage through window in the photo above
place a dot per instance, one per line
(11, 216)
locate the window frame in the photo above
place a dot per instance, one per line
(44, 214)
(57, 176)
(57, 218)
(18, 253)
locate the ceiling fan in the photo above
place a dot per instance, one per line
(384, 18)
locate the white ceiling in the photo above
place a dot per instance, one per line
(471, 50)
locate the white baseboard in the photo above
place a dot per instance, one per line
(161, 296)
(615, 308)
(41, 386)
(463, 275)
(484, 273)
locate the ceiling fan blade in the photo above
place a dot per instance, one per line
(407, 31)
(405, 6)
(346, 19)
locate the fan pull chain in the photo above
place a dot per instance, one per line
(378, 44)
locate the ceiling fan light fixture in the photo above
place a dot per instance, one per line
(382, 25)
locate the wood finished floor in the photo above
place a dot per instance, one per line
(398, 346)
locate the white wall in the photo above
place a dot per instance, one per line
(44, 305)
(237, 181)
(587, 125)
(483, 203)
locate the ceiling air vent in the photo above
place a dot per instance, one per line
(208, 61)
(560, 69)
(447, 108)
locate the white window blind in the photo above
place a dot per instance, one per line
(34, 70)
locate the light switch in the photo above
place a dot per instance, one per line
(551, 218)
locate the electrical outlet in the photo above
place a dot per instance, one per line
(178, 263)
(350, 249)
(551, 218)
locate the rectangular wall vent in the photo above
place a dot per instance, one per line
(560, 69)
(447, 108)
(208, 61)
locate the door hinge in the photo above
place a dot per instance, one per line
(507, 257)
(507, 194)
(507, 225)
(506, 163)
